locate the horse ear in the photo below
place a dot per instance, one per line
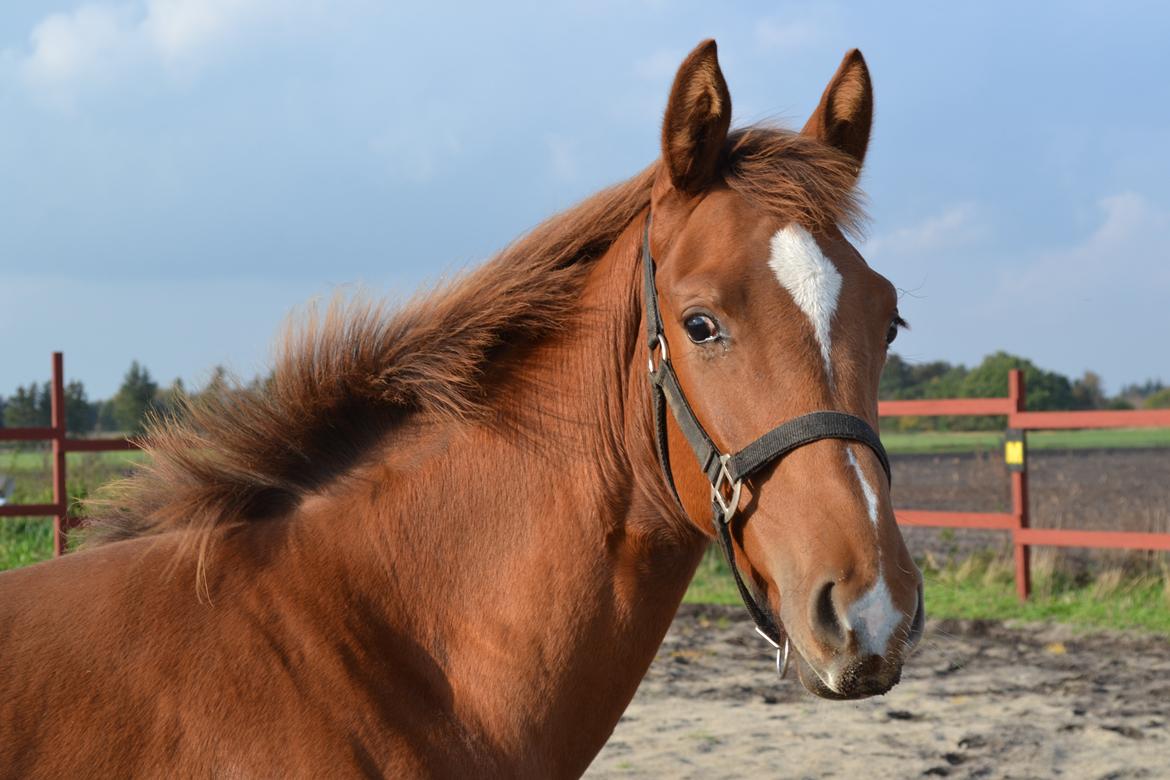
(845, 114)
(698, 115)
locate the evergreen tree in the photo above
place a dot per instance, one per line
(170, 401)
(1136, 394)
(80, 414)
(134, 399)
(219, 382)
(44, 396)
(22, 410)
(106, 421)
(1088, 392)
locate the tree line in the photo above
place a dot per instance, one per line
(1046, 390)
(140, 396)
(126, 412)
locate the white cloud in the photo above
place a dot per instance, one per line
(85, 45)
(96, 44)
(1097, 304)
(1124, 256)
(956, 226)
(183, 29)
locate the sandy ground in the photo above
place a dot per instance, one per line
(978, 700)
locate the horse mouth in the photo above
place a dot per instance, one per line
(872, 676)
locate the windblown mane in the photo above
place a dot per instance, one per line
(341, 379)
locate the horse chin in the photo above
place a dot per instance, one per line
(812, 681)
(816, 685)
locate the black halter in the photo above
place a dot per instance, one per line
(726, 472)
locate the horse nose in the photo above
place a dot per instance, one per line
(857, 631)
(852, 619)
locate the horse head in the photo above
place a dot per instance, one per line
(770, 315)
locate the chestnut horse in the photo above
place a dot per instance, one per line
(440, 541)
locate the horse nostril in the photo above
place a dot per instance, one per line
(825, 618)
(919, 622)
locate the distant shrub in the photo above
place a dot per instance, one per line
(1159, 400)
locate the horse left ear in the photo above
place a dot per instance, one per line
(845, 114)
(698, 115)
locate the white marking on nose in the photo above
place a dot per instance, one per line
(866, 488)
(874, 618)
(812, 281)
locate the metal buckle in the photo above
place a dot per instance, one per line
(781, 655)
(730, 505)
(661, 345)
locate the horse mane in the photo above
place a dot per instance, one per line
(342, 378)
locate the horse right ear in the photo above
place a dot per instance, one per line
(845, 114)
(698, 115)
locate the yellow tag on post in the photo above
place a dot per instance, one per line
(1013, 453)
(1013, 450)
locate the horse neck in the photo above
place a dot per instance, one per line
(535, 555)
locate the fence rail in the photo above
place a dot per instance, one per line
(1019, 422)
(62, 445)
(1012, 406)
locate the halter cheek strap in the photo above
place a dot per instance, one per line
(726, 471)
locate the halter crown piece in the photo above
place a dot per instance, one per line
(726, 471)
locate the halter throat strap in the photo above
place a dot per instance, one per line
(726, 471)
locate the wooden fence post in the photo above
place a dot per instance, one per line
(1017, 393)
(60, 494)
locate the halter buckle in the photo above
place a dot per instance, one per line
(660, 344)
(730, 505)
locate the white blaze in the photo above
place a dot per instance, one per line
(815, 285)
(866, 488)
(873, 617)
(812, 281)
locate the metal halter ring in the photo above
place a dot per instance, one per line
(731, 505)
(665, 354)
(781, 655)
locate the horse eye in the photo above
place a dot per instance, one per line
(701, 328)
(895, 325)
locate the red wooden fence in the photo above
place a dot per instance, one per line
(1019, 422)
(55, 433)
(1012, 406)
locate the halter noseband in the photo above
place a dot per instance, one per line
(726, 471)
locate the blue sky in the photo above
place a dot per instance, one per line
(184, 173)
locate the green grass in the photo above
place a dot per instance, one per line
(1140, 603)
(934, 442)
(983, 588)
(25, 540)
(1117, 438)
(36, 462)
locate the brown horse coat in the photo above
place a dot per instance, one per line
(439, 542)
